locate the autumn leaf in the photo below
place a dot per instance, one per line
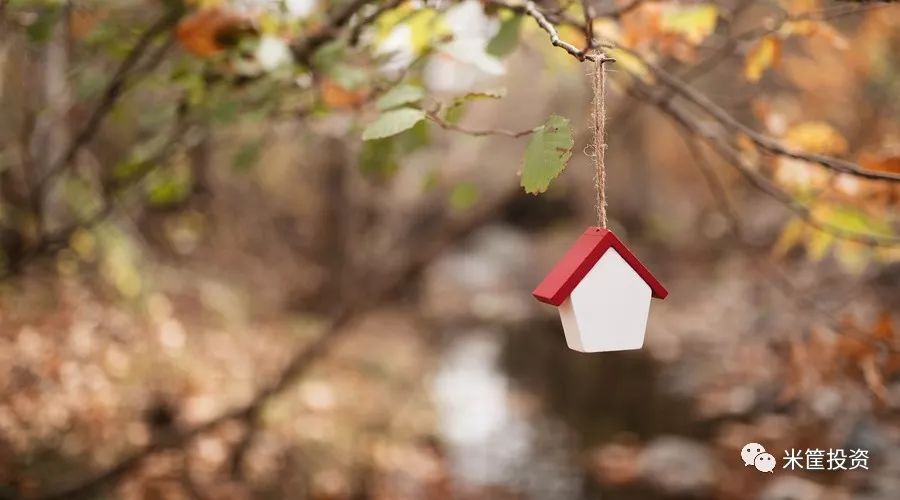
(209, 31)
(336, 96)
(762, 56)
(853, 348)
(884, 328)
(816, 137)
(693, 22)
(873, 377)
(880, 163)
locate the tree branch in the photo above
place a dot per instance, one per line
(618, 12)
(728, 152)
(432, 116)
(372, 17)
(56, 240)
(387, 283)
(762, 141)
(531, 9)
(304, 48)
(115, 87)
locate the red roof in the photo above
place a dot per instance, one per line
(580, 259)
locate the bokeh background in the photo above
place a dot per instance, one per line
(214, 289)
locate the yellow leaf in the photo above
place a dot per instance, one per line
(816, 137)
(631, 64)
(693, 22)
(761, 57)
(791, 236)
(818, 245)
(853, 256)
(426, 26)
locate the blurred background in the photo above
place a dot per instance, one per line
(213, 288)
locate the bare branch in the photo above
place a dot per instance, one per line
(734, 158)
(113, 90)
(714, 183)
(762, 141)
(59, 238)
(617, 12)
(370, 18)
(386, 284)
(477, 133)
(532, 10)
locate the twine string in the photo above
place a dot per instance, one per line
(598, 116)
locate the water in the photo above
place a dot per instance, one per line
(491, 443)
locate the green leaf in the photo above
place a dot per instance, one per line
(247, 155)
(348, 77)
(41, 28)
(455, 109)
(413, 139)
(392, 123)
(463, 196)
(328, 55)
(400, 95)
(547, 153)
(378, 157)
(168, 187)
(507, 38)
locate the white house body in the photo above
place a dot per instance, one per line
(607, 310)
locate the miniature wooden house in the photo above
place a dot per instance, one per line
(603, 293)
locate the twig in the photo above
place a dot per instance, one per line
(618, 12)
(532, 10)
(113, 90)
(385, 286)
(734, 158)
(370, 18)
(477, 133)
(54, 241)
(761, 140)
(588, 23)
(716, 187)
(304, 48)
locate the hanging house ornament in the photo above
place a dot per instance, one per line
(602, 291)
